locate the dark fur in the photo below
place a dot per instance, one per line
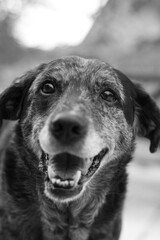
(25, 210)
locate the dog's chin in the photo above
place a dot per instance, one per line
(67, 175)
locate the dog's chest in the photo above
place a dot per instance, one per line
(63, 226)
(63, 223)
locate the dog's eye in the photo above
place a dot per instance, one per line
(109, 97)
(48, 88)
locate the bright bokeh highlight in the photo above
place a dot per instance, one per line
(56, 22)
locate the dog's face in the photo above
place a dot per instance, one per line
(77, 115)
(79, 120)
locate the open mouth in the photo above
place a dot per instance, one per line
(65, 173)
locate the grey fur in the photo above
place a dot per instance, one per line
(30, 206)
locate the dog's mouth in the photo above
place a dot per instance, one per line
(65, 174)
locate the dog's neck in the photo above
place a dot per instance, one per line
(71, 220)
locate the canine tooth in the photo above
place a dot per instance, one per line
(77, 177)
(53, 180)
(71, 183)
(51, 173)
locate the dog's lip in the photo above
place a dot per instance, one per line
(78, 176)
(95, 163)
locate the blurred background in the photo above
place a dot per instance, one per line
(125, 33)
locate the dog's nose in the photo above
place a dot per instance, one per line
(68, 128)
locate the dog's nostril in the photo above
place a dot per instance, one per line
(77, 130)
(61, 127)
(57, 127)
(68, 129)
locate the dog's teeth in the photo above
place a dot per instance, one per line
(66, 183)
(71, 183)
(51, 173)
(76, 177)
(53, 180)
(58, 182)
(63, 183)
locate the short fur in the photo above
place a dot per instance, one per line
(101, 112)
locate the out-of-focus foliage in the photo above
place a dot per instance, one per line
(13, 8)
(126, 33)
(10, 50)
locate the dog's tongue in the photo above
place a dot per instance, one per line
(74, 177)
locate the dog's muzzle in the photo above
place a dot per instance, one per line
(66, 174)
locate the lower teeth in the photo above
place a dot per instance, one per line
(62, 183)
(59, 181)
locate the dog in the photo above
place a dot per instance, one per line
(64, 160)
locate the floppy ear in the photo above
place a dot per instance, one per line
(148, 118)
(11, 100)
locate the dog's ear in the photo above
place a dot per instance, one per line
(147, 119)
(11, 100)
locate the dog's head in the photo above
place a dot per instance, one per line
(77, 115)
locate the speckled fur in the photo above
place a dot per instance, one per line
(26, 212)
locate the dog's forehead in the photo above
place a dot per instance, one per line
(84, 71)
(77, 66)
